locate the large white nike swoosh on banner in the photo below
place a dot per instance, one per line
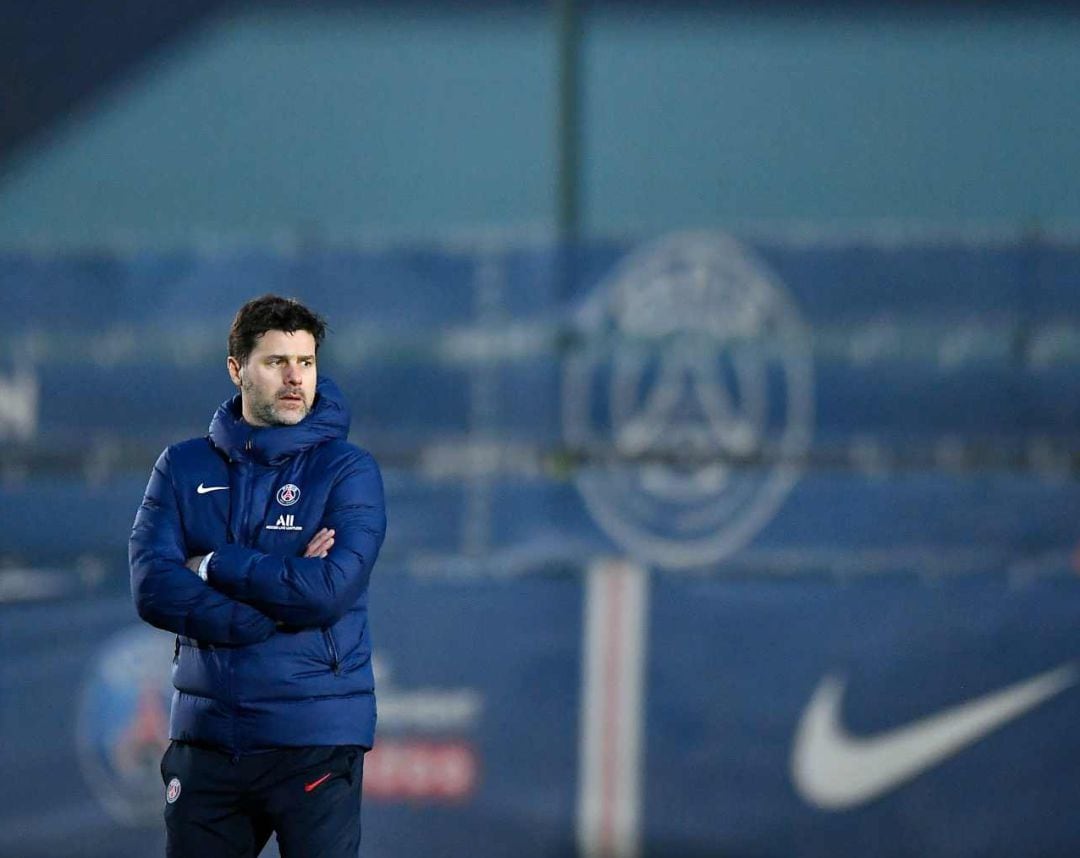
(834, 770)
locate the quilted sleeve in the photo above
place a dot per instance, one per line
(313, 591)
(169, 595)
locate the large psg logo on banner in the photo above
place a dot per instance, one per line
(689, 396)
(123, 723)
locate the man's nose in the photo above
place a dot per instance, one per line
(293, 374)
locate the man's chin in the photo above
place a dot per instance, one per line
(289, 416)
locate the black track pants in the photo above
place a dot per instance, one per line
(220, 806)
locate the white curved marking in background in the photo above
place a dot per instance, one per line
(834, 770)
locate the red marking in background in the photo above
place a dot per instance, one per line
(412, 770)
(146, 735)
(151, 722)
(610, 714)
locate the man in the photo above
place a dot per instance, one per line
(254, 545)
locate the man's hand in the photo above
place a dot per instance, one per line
(320, 544)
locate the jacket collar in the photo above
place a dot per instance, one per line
(328, 419)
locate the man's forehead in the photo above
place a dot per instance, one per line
(285, 343)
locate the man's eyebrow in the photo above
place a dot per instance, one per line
(298, 357)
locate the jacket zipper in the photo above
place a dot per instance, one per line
(243, 530)
(331, 646)
(248, 530)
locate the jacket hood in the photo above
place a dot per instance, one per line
(328, 420)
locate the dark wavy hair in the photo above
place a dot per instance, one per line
(271, 313)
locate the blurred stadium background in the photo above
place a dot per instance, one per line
(723, 360)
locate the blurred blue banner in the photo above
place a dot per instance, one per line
(894, 769)
(479, 716)
(755, 547)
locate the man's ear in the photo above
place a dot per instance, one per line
(234, 369)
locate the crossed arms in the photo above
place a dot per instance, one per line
(248, 593)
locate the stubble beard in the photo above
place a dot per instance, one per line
(265, 410)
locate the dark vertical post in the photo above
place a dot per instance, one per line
(568, 26)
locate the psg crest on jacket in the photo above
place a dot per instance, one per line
(288, 494)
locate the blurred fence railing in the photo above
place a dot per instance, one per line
(934, 366)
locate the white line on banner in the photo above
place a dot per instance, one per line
(610, 741)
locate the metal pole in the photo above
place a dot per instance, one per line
(569, 119)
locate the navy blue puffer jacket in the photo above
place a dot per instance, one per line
(273, 649)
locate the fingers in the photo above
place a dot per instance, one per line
(320, 544)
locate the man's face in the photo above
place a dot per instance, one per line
(277, 382)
